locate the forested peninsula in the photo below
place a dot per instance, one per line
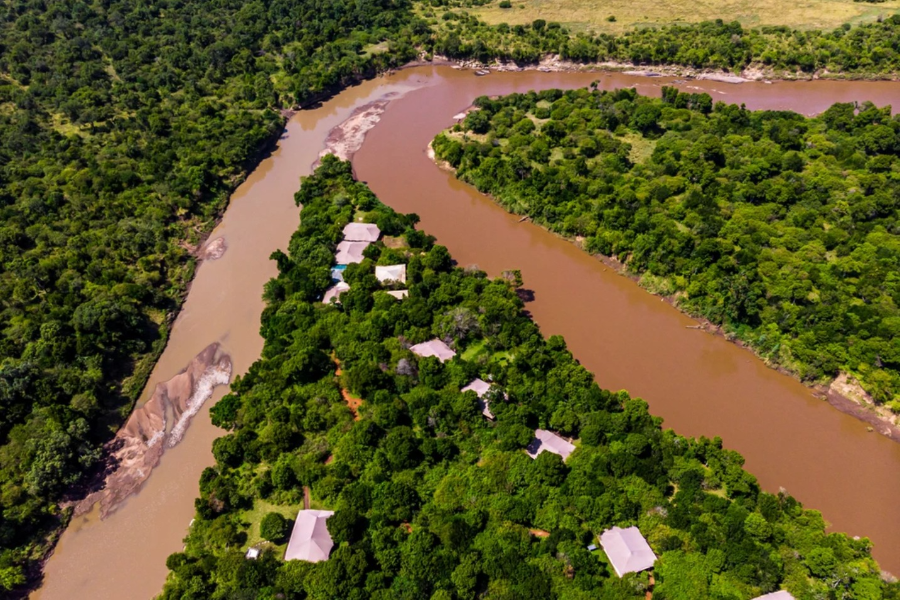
(124, 126)
(781, 228)
(433, 500)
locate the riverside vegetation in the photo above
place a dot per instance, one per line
(431, 499)
(781, 228)
(123, 127)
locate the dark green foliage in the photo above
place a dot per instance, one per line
(273, 527)
(779, 227)
(123, 127)
(431, 500)
(125, 124)
(867, 49)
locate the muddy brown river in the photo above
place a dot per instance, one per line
(701, 384)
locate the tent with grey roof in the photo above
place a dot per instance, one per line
(350, 252)
(480, 387)
(335, 291)
(391, 273)
(547, 441)
(627, 550)
(361, 232)
(310, 540)
(434, 347)
(779, 595)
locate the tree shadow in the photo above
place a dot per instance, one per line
(525, 295)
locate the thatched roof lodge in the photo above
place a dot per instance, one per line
(434, 347)
(361, 232)
(627, 550)
(310, 540)
(391, 273)
(350, 252)
(480, 387)
(547, 441)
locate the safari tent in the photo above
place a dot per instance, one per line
(391, 273)
(480, 387)
(547, 441)
(434, 347)
(310, 540)
(627, 550)
(361, 232)
(350, 252)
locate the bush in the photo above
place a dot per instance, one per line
(505, 4)
(273, 527)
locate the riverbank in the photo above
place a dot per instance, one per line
(553, 63)
(843, 392)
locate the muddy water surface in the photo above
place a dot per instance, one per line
(123, 556)
(700, 384)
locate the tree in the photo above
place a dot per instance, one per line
(273, 527)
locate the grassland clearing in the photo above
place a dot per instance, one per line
(589, 15)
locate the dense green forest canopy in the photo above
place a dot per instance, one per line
(123, 127)
(432, 500)
(124, 124)
(782, 228)
(867, 50)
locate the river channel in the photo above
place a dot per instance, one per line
(699, 383)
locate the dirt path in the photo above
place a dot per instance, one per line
(305, 497)
(353, 403)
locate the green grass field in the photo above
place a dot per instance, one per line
(255, 515)
(582, 15)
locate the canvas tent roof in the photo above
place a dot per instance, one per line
(335, 292)
(550, 442)
(310, 540)
(779, 595)
(391, 273)
(361, 232)
(434, 347)
(480, 387)
(350, 252)
(627, 550)
(400, 294)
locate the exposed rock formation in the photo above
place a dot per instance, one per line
(157, 425)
